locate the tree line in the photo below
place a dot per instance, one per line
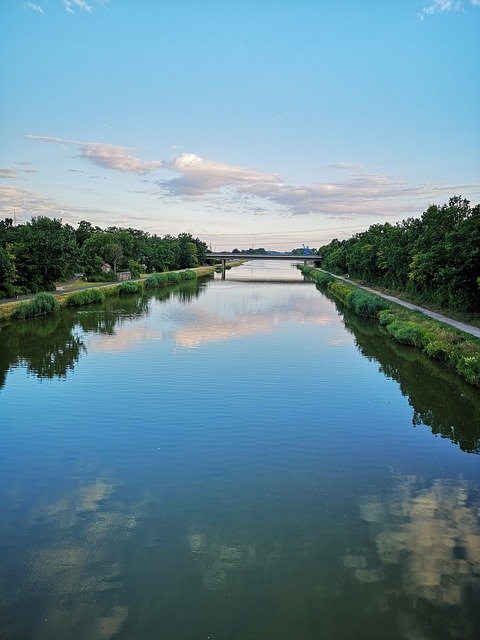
(434, 259)
(35, 255)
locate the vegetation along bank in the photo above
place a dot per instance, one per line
(45, 303)
(453, 348)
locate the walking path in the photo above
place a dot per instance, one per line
(468, 328)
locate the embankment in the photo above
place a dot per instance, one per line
(45, 303)
(455, 349)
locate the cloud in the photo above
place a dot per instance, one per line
(441, 6)
(34, 7)
(200, 176)
(8, 173)
(11, 173)
(24, 203)
(108, 156)
(246, 189)
(345, 165)
(71, 5)
(363, 192)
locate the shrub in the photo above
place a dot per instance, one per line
(468, 366)
(88, 296)
(386, 316)
(339, 289)
(365, 303)
(439, 350)
(187, 275)
(10, 290)
(42, 304)
(2, 294)
(174, 276)
(128, 287)
(408, 332)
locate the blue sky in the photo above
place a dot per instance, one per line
(257, 122)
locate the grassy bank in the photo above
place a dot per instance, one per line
(46, 303)
(453, 348)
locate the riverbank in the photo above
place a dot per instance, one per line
(47, 303)
(458, 350)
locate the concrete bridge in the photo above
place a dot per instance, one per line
(257, 256)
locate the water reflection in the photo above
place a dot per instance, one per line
(73, 574)
(50, 347)
(427, 549)
(440, 400)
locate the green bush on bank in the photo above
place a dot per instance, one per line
(169, 277)
(366, 304)
(87, 296)
(129, 287)
(41, 305)
(455, 349)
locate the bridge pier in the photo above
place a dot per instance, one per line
(223, 268)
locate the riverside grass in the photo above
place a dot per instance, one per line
(453, 348)
(46, 303)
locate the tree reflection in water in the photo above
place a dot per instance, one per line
(440, 399)
(50, 347)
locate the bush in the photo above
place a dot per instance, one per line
(366, 304)
(9, 289)
(49, 286)
(439, 350)
(2, 294)
(339, 289)
(468, 366)
(88, 296)
(42, 304)
(408, 332)
(128, 287)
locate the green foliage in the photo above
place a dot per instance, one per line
(408, 332)
(42, 304)
(169, 277)
(340, 290)
(365, 303)
(135, 268)
(435, 259)
(453, 348)
(319, 277)
(129, 287)
(87, 296)
(9, 290)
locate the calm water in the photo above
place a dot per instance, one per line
(233, 460)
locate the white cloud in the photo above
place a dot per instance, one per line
(476, 3)
(200, 176)
(34, 7)
(71, 5)
(11, 173)
(441, 6)
(244, 189)
(362, 192)
(345, 165)
(108, 156)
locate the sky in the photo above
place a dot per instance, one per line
(247, 123)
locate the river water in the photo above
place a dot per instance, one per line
(231, 460)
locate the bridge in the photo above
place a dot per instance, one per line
(223, 256)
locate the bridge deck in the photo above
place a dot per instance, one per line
(256, 256)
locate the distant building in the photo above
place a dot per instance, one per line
(106, 267)
(124, 275)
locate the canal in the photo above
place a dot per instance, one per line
(229, 460)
